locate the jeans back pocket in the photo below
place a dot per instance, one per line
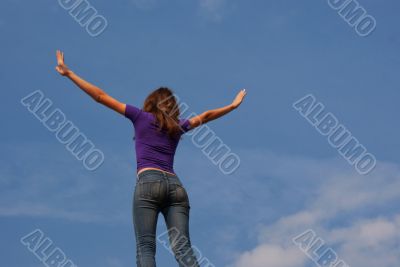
(149, 189)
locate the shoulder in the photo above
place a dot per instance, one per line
(132, 112)
(185, 125)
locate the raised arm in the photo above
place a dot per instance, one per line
(213, 114)
(93, 91)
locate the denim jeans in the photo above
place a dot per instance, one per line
(157, 191)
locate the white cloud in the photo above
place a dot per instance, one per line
(271, 255)
(369, 242)
(269, 200)
(356, 215)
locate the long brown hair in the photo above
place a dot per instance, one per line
(163, 104)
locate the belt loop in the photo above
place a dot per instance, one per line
(165, 177)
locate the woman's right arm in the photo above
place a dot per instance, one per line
(213, 114)
(92, 90)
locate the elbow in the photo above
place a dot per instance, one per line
(98, 98)
(207, 117)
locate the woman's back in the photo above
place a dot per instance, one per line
(154, 148)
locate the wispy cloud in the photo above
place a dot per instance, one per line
(209, 9)
(354, 214)
(271, 255)
(213, 9)
(144, 4)
(52, 185)
(271, 198)
(114, 262)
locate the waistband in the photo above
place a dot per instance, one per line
(156, 172)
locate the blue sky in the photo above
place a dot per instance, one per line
(290, 179)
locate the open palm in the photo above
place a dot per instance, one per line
(239, 98)
(61, 67)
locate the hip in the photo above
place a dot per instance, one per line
(160, 188)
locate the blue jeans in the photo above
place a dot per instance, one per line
(157, 191)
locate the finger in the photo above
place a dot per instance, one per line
(58, 57)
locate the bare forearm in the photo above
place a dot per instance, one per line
(92, 90)
(216, 113)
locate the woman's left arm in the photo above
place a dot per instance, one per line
(213, 114)
(93, 91)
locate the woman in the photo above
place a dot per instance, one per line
(158, 188)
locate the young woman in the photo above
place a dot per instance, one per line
(158, 130)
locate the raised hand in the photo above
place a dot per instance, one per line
(239, 98)
(61, 67)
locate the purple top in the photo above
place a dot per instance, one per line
(153, 148)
